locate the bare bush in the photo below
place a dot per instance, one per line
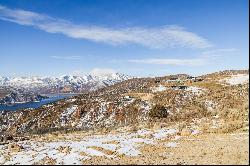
(158, 111)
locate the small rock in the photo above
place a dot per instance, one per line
(9, 138)
(1, 138)
(4, 138)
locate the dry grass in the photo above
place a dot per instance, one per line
(105, 151)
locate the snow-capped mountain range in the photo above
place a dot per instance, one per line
(67, 83)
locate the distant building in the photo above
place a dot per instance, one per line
(198, 79)
(126, 97)
(182, 87)
(157, 81)
(173, 78)
(190, 78)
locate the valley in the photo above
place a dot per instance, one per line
(32, 92)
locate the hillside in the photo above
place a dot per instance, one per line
(139, 116)
(10, 95)
(130, 102)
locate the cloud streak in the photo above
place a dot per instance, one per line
(204, 58)
(165, 61)
(66, 57)
(102, 72)
(161, 37)
(219, 52)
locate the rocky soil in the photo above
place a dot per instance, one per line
(159, 144)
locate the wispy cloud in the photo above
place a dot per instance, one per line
(78, 72)
(66, 57)
(219, 52)
(202, 59)
(164, 61)
(102, 72)
(161, 37)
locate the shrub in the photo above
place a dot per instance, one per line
(158, 111)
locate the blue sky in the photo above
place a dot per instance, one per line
(135, 37)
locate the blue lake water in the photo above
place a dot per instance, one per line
(52, 98)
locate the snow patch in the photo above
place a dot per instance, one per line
(160, 88)
(210, 105)
(171, 145)
(86, 147)
(164, 133)
(237, 79)
(194, 132)
(65, 116)
(195, 90)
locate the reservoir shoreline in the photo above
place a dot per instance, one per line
(36, 104)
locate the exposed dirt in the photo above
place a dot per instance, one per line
(210, 149)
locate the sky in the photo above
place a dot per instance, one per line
(134, 37)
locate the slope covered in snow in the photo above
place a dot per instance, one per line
(237, 79)
(67, 83)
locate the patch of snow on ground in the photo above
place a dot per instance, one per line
(177, 137)
(171, 145)
(194, 132)
(237, 79)
(215, 124)
(210, 105)
(2, 159)
(143, 132)
(66, 114)
(164, 133)
(160, 88)
(84, 147)
(71, 100)
(195, 90)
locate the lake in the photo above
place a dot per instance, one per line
(52, 98)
